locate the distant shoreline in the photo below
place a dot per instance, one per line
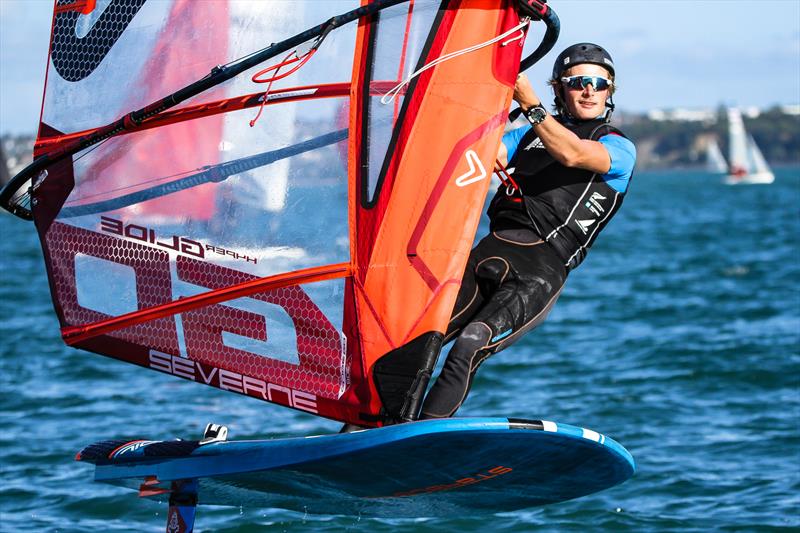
(663, 144)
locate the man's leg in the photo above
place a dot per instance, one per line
(527, 279)
(469, 299)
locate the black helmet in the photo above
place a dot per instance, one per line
(582, 53)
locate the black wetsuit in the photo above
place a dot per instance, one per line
(515, 274)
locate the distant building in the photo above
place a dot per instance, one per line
(790, 109)
(686, 115)
(710, 115)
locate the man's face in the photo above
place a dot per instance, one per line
(586, 103)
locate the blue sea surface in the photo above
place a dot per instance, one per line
(679, 337)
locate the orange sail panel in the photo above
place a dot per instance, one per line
(420, 191)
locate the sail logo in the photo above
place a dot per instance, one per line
(81, 41)
(231, 381)
(476, 171)
(181, 245)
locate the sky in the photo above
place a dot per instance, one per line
(668, 53)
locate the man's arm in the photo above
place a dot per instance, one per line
(510, 143)
(566, 147)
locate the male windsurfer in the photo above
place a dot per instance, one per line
(570, 172)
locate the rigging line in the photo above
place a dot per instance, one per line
(269, 82)
(277, 76)
(326, 26)
(24, 199)
(390, 96)
(402, 62)
(91, 149)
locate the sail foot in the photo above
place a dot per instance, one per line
(402, 375)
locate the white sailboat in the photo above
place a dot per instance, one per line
(747, 163)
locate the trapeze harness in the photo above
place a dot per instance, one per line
(539, 233)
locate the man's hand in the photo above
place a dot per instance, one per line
(524, 94)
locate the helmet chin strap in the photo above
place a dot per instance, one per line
(609, 108)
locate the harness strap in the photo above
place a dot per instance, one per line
(512, 188)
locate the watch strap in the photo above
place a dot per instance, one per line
(536, 114)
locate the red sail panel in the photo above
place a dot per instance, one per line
(193, 344)
(159, 155)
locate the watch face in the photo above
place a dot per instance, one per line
(536, 114)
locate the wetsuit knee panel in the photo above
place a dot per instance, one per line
(491, 273)
(474, 337)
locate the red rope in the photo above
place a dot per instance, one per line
(286, 61)
(505, 178)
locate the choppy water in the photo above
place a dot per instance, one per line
(679, 337)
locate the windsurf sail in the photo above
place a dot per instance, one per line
(312, 260)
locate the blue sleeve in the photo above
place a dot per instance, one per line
(623, 156)
(512, 138)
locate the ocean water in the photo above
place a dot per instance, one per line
(679, 337)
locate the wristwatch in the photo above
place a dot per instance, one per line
(536, 114)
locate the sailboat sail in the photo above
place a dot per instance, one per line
(757, 161)
(715, 161)
(747, 164)
(312, 260)
(737, 140)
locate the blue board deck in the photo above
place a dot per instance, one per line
(429, 468)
